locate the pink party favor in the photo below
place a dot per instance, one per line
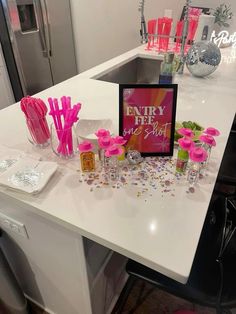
(212, 131)
(105, 142)
(85, 146)
(119, 140)
(186, 132)
(113, 151)
(198, 154)
(102, 133)
(207, 139)
(186, 144)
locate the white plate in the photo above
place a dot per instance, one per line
(8, 157)
(28, 175)
(86, 128)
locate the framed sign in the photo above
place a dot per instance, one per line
(147, 118)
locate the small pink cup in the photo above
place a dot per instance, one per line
(186, 144)
(119, 140)
(102, 133)
(212, 131)
(113, 150)
(85, 146)
(207, 139)
(198, 154)
(105, 142)
(186, 132)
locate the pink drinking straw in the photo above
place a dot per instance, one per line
(151, 33)
(193, 23)
(160, 23)
(166, 32)
(192, 27)
(179, 31)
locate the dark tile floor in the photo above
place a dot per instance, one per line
(159, 302)
(33, 309)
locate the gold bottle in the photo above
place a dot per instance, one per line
(87, 160)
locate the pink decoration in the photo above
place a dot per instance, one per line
(207, 139)
(105, 142)
(186, 132)
(85, 146)
(64, 131)
(212, 131)
(198, 154)
(119, 140)
(35, 112)
(186, 144)
(113, 151)
(102, 133)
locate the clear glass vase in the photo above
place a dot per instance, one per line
(64, 143)
(112, 169)
(38, 132)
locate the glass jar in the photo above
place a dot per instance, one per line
(182, 160)
(64, 143)
(193, 173)
(112, 169)
(38, 132)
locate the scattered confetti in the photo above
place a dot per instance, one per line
(153, 174)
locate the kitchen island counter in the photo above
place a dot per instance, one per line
(161, 232)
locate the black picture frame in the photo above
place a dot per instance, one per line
(174, 88)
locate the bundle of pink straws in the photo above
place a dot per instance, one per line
(35, 112)
(63, 119)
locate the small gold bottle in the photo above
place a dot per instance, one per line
(87, 157)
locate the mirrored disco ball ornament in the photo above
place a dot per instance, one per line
(203, 58)
(134, 157)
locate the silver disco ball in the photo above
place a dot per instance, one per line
(203, 58)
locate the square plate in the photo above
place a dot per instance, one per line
(28, 175)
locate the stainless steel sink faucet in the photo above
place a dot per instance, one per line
(143, 30)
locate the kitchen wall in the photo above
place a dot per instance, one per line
(106, 28)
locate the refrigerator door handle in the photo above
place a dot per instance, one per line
(46, 25)
(41, 29)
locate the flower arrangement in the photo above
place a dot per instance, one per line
(223, 15)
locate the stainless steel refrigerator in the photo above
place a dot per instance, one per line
(40, 40)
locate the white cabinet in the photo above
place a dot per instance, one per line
(6, 95)
(106, 274)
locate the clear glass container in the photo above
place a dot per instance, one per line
(193, 173)
(182, 160)
(112, 169)
(38, 132)
(204, 164)
(64, 143)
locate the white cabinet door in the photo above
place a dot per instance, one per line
(6, 95)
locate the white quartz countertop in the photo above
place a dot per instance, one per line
(161, 232)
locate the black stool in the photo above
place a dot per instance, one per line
(212, 281)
